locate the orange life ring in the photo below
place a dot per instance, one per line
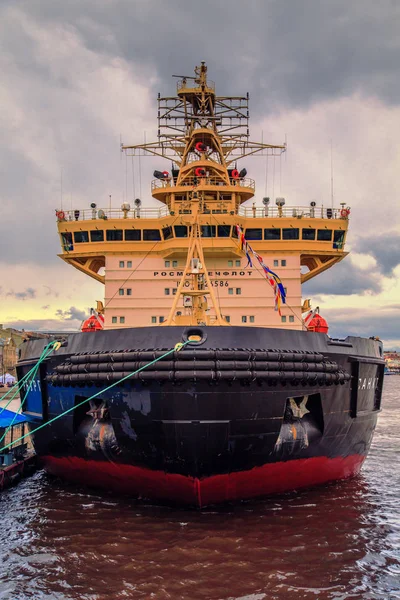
(200, 172)
(235, 174)
(60, 215)
(166, 174)
(345, 212)
(200, 147)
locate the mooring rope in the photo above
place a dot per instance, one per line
(18, 385)
(32, 373)
(176, 348)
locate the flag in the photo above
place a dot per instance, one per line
(273, 279)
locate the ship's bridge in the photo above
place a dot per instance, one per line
(316, 234)
(212, 188)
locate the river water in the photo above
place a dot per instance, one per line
(59, 542)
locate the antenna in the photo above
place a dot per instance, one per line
(183, 77)
(331, 175)
(61, 187)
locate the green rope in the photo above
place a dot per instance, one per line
(46, 352)
(17, 386)
(177, 347)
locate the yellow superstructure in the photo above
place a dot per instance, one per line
(141, 253)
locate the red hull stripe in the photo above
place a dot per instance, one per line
(260, 481)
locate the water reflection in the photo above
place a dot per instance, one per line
(337, 542)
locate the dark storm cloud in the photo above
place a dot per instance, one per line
(382, 323)
(44, 325)
(385, 248)
(343, 279)
(285, 52)
(28, 294)
(71, 314)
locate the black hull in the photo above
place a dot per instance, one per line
(248, 412)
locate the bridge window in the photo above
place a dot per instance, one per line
(338, 239)
(67, 241)
(122, 319)
(208, 231)
(276, 263)
(244, 319)
(121, 264)
(167, 233)
(224, 231)
(251, 319)
(81, 237)
(174, 263)
(230, 263)
(238, 291)
(129, 264)
(253, 234)
(161, 319)
(113, 319)
(96, 236)
(133, 235)
(181, 231)
(114, 235)
(151, 235)
(129, 291)
(227, 319)
(230, 291)
(308, 234)
(291, 318)
(272, 234)
(121, 291)
(290, 233)
(238, 263)
(283, 319)
(283, 263)
(324, 235)
(154, 319)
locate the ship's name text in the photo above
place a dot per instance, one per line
(368, 383)
(210, 273)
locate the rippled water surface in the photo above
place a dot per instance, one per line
(342, 541)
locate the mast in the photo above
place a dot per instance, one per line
(204, 134)
(196, 112)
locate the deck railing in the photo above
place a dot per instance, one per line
(190, 182)
(299, 212)
(183, 83)
(116, 213)
(256, 212)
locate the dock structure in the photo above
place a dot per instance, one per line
(18, 460)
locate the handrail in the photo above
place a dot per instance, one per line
(199, 182)
(115, 213)
(182, 84)
(297, 212)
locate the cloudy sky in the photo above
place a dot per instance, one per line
(78, 75)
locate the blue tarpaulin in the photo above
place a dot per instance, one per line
(6, 417)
